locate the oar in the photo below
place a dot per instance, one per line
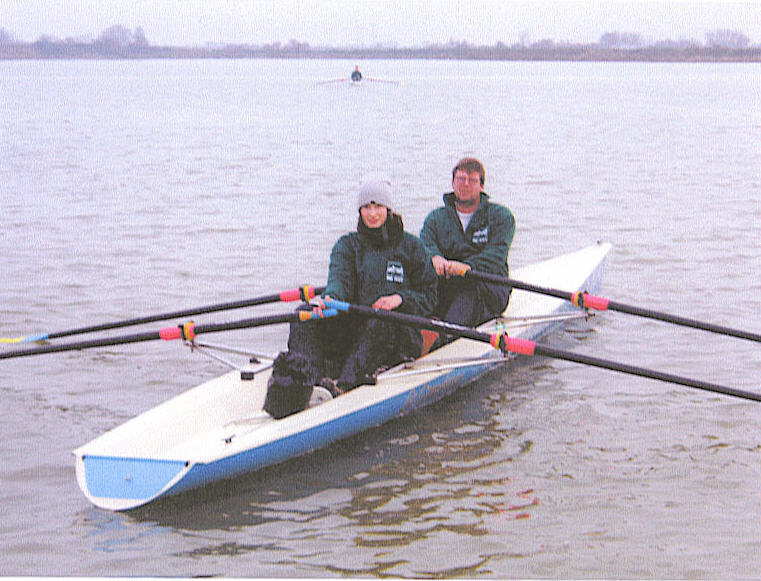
(525, 347)
(186, 332)
(371, 80)
(586, 300)
(329, 81)
(304, 293)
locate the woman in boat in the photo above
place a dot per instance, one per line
(379, 265)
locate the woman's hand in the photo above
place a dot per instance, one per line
(388, 303)
(320, 306)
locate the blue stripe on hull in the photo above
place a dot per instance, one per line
(322, 435)
(143, 479)
(129, 478)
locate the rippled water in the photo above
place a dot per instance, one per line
(129, 188)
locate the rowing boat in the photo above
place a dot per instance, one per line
(218, 430)
(356, 82)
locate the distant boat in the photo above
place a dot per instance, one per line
(356, 78)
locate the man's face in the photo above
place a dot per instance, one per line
(467, 189)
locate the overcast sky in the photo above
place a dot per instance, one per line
(365, 22)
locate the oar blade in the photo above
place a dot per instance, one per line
(42, 339)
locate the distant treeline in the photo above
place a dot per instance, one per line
(119, 42)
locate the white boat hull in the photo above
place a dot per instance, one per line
(218, 430)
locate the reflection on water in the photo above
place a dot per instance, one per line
(398, 486)
(123, 193)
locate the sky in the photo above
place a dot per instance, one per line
(370, 22)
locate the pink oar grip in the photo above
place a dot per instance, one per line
(595, 302)
(520, 346)
(290, 295)
(170, 333)
(305, 293)
(186, 331)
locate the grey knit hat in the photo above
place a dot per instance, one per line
(376, 190)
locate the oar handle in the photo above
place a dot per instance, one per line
(580, 299)
(411, 320)
(527, 286)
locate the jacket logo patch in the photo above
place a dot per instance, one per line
(394, 271)
(481, 236)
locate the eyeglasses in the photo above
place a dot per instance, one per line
(471, 181)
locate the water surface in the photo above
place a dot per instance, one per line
(129, 188)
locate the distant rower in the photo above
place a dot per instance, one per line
(356, 76)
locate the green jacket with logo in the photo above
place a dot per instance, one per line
(363, 268)
(483, 245)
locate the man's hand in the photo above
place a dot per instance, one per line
(455, 268)
(439, 264)
(448, 268)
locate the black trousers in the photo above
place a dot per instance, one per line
(347, 348)
(468, 302)
(350, 348)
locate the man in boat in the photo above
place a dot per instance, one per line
(356, 76)
(379, 265)
(469, 232)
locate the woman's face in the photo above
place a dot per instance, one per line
(373, 215)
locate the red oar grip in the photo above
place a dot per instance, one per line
(587, 301)
(595, 302)
(512, 344)
(185, 332)
(520, 346)
(170, 333)
(305, 293)
(290, 295)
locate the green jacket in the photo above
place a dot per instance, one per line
(362, 269)
(483, 245)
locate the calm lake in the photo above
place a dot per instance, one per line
(132, 188)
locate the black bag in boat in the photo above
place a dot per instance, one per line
(297, 370)
(290, 386)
